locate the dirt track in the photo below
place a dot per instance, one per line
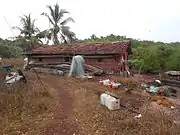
(64, 125)
(66, 116)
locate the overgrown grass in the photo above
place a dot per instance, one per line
(18, 62)
(24, 108)
(97, 119)
(29, 109)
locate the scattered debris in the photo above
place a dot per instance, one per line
(6, 67)
(25, 63)
(110, 102)
(158, 81)
(65, 68)
(167, 91)
(172, 91)
(161, 100)
(171, 82)
(176, 122)
(85, 77)
(144, 85)
(14, 77)
(153, 89)
(109, 83)
(49, 71)
(89, 77)
(138, 116)
(173, 73)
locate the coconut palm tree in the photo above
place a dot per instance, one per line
(27, 28)
(28, 32)
(59, 29)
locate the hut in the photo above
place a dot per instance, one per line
(111, 57)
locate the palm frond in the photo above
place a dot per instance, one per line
(65, 29)
(64, 39)
(56, 13)
(67, 33)
(18, 28)
(44, 34)
(69, 19)
(52, 13)
(62, 13)
(36, 30)
(51, 21)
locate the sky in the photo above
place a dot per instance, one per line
(157, 20)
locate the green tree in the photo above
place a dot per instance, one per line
(164, 52)
(172, 62)
(94, 37)
(59, 25)
(28, 28)
(10, 49)
(28, 33)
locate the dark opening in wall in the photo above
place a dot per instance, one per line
(40, 59)
(117, 59)
(67, 59)
(100, 60)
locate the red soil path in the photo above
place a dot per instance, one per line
(65, 125)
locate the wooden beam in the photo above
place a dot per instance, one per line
(72, 54)
(67, 56)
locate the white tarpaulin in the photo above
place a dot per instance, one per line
(12, 78)
(77, 66)
(25, 63)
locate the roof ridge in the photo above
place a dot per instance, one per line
(91, 48)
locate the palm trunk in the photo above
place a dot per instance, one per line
(55, 40)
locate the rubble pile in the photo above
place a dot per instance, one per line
(95, 118)
(161, 100)
(63, 68)
(172, 75)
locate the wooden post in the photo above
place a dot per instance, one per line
(121, 65)
(125, 59)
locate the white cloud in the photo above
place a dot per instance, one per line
(141, 19)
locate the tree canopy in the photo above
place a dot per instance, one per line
(59, 32)
(27, 28)
(29, 33)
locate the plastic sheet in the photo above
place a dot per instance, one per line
(77, 66)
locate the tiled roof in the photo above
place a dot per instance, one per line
(83, 48)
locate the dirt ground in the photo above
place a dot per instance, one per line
(79, 110)
(76, 109)
(64, 124)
